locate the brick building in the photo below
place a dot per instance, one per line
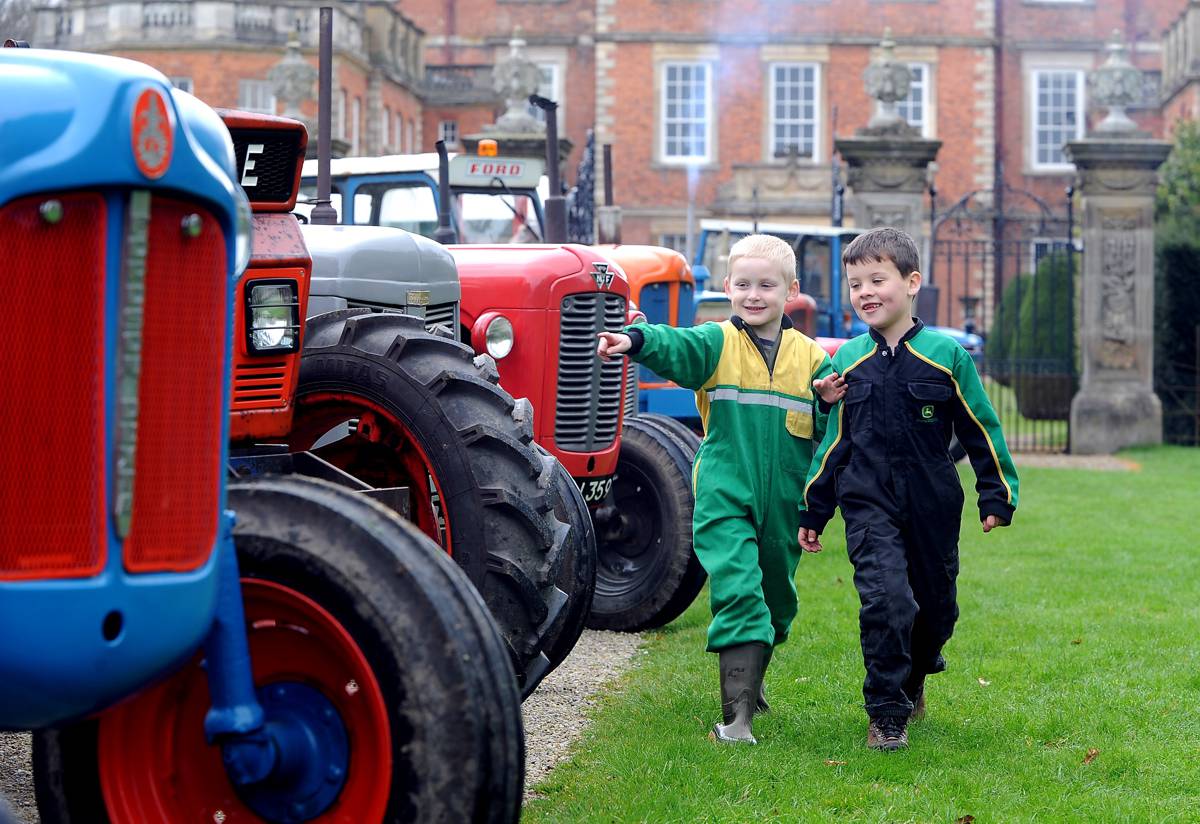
(710, 100)
(732, 105)
(222, 52)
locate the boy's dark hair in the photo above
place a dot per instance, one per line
(884, 243)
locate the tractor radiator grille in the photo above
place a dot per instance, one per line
(588, 406)
(631, 388)
(443, 313)
(259, 385)
(53, 498)
(177, 474)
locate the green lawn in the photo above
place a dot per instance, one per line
(1073, 692)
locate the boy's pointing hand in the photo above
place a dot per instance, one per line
(809, 540)
(831, 388)
(612, 343)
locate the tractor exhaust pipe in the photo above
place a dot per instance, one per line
(445, 231)
(608, 216)
(323, 212)
(555, 230)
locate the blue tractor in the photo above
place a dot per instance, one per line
(187, 646)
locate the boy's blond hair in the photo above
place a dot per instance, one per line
(766, 247)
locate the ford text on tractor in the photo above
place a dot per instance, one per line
(342, 360)
(272, 649)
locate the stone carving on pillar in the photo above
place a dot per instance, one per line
(1116, 84)
(515, 77)
(292, 80)
(1118, 268)
(887, 80)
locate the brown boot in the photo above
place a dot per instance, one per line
(741, 678)
(918, 711)
(887, 733)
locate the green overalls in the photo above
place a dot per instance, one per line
(760, 426)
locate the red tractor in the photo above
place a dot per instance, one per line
(389, 404)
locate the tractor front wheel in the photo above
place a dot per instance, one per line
(647, 573)
(363, 630)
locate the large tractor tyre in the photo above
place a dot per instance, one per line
(578, 572)
(676, 427)
(421, 411)
(647, 573)
(352, 615)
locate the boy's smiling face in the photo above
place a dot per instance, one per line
(881, 296)
(759, 292)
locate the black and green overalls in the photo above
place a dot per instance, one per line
(760, 425)
(884, 460)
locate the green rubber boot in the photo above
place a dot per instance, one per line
(741, 679)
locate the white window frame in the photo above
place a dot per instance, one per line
(1050, 244)
(256, 96)
(448, 133)
(413, 148)
(339, 114)
(772, 121)
(663, 121)
(925, 124)
(1034, 77)
(385, 126)
(184, 84)
(399, 142)
(673, 240)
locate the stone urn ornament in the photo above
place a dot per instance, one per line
(1116, 84)
(887, 80)
(292, 79)
(514, 78)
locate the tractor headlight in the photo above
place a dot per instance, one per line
(498, 337)
(242, 241)
(272, 316)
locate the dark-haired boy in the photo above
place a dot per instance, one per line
(885, 461)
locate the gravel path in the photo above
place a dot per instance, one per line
(555, 716)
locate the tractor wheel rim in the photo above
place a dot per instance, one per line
(154, 761)
(319, 412)
(623, 565)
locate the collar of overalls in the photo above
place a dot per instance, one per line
(909, 335)
(738, 323)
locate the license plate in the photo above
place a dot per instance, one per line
(595, 490)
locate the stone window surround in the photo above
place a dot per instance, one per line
(1033, 63)
(448, 132)
(774, 53)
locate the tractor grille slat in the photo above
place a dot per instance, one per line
(177, 477)
(443, 313)
(588, 404)
(53, 501)
(259, 384)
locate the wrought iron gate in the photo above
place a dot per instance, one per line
(1003, 265)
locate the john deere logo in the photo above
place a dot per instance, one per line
(927, 412)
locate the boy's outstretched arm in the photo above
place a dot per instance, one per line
(978, 430)
(686, 356)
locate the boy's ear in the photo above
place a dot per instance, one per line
(914, 283)
(726, 285)
(794, 290)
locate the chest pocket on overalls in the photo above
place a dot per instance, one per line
(858, 410)
(799, 422)
(928, 402)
